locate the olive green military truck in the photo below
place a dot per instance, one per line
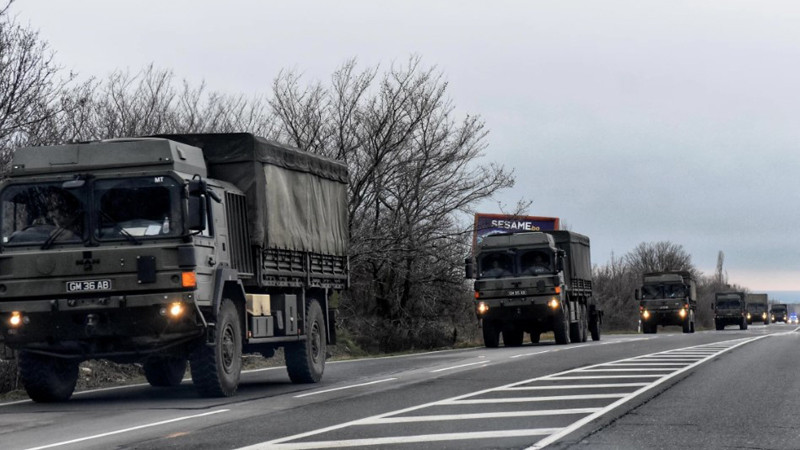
(779, 312)
(757, 308)
(729, 309)
(534, 282)
(170, 249)
(667, 298)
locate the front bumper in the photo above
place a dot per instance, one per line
(95, 326)
(531, 308)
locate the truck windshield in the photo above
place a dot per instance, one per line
(728, 304)
(780, 310)
(496, 265)
(138, 207)
(35, 213)
(652, 291)
(535, 262)
(755, 307)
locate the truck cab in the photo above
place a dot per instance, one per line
(667, 298)
(779, 312)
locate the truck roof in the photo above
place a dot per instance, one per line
(676, 276)
(107, 154)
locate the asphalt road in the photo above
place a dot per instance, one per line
(718, 389)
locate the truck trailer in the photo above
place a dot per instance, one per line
(167, 249)
(667, 298)
(534, 282)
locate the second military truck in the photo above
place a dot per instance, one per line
(170, 249)
(534, 282)
(757, 308)
(779, 312)
(729, 309)
(667, 298)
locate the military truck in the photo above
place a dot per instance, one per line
(534, 282)
(163, 250)
(667, 298)
(729, 309)
(757, 308)
(779, 312)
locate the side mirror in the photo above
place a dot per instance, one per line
(636, 294)
(712, 306)
(560, 263)
(469, 268)
(197, 213)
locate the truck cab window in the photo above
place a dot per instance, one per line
(32, 213)
(674, 291)
(535, 262)
(139, 207)
(497, 265)
(650, 292)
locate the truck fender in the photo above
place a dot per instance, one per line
(227, 285)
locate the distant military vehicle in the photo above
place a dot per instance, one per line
(729, 309)
(757, 308)
(779, 312)
(534, 282)
(171, 249)
(667, 298)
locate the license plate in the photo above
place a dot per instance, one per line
(88, 285)
(663, 307)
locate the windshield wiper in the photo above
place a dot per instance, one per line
(121, 230)
(60, 230)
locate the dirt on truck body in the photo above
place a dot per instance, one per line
(170, 249)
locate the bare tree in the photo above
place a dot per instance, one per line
(659, 257)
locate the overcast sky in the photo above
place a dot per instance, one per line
(631, 120)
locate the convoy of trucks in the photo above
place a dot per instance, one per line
(730, 309)
(667, 298)
(534, 282)
(757, 308)
(170, 249)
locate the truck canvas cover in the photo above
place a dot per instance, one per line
(296, 200)
(578, 253)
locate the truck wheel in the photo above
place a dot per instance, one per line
(584, 324)
(491, 334)
(743, 325)
(164, 372)
(535, 336)
(47, 379)
(216, 368)
(719, 325)
(649, 328)
(561, 328)
(513, 337)
(687, 325)
(575, 328)
(305, 360)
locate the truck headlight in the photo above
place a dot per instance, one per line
(764, 316)
(682, 313)
(748, 315)
(645, 314)
(482, 308)
(16, 319)
(553, 303)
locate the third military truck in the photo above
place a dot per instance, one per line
(757, 308)
(170, 249)
(534, 282)
(779, 312)
(729, 309)
(667, 298)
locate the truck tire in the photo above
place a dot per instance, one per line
(561, 328)
(649, 328)
(216, 368)
(719, 325)
(305, 360)
(743, 324)
(513, 337)
(535, 336)
(584, 324)
(165, 372)
(491, 334)
(575, 329)
(47, 379)
(687, 325)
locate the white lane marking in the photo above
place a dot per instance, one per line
(569, 429)
(528, 354)
(374, 442)
(635, 369)
(554, 398)
(125, 430)
(344, 387)
(648, 364)
(482, 416)
(460, 366)
(573, 386)
(597, 377)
